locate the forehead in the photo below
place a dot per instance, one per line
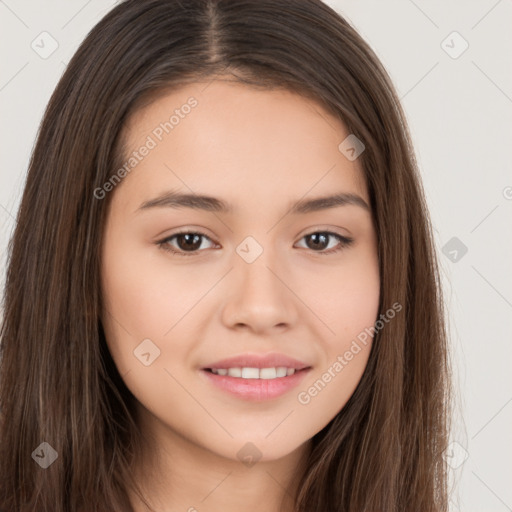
(223, 135)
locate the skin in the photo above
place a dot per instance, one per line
(259, 151)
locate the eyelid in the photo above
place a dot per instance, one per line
(332, 230)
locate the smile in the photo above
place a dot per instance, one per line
(255, 384)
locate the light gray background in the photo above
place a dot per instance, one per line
(460, 115)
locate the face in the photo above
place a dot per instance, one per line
(255, 269)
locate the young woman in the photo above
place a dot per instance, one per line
(222, 291)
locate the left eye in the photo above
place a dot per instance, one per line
(319, 238)
(190, 243)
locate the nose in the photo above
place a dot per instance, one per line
(259, 298)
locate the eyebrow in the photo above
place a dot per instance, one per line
(172, 199)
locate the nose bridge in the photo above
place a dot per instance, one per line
(259, 299)
(256, 277)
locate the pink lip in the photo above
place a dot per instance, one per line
(256, 390)
(271, 360)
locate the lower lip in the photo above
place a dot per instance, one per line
(257, 390)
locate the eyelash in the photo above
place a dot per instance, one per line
(344, 242)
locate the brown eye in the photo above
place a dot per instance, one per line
(189, 241)
(319, 241)
(183, 243)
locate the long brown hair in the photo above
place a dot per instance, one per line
(58, 384)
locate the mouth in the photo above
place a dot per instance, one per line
(255, 384)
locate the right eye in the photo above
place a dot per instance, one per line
(188, 243)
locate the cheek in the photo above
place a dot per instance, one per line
(147, 298)
(349, 304)
(353, 305)
(346, 298)
(134, 306)
(144, 293)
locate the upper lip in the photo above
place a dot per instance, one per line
(271, 360)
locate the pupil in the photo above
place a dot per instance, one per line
(189, 244)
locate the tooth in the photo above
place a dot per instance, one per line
(250, 373)
(269, 373)
(255, 373)
(235, 372)
(281, 371)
